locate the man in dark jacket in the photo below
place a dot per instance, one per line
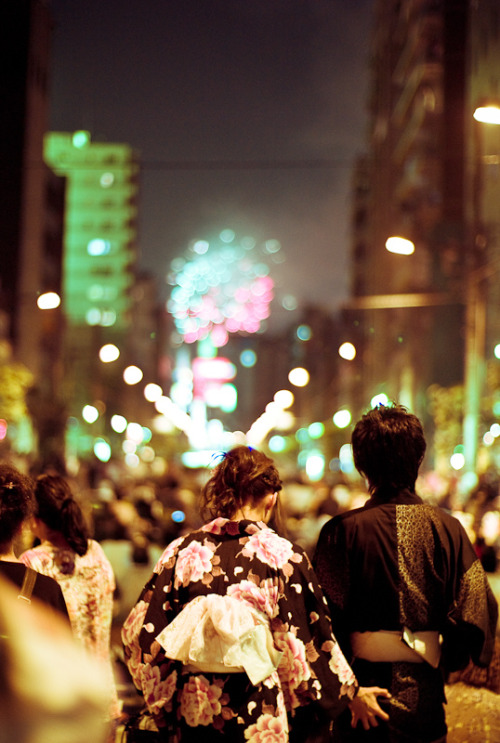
(409, 599)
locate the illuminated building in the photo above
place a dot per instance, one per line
(99, 259)
(100, 233)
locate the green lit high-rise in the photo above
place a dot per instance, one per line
(100, 227)
(100, 249)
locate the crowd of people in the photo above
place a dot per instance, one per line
(258, 611)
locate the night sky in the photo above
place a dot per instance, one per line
(246, 114)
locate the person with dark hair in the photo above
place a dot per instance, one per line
(410, 601)
(230, 638)
(16, 507)
(77, 563)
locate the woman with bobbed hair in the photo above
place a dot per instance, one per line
(77, 563)
(230, 638)
(16, 507)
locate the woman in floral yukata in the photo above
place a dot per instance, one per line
(231, 638)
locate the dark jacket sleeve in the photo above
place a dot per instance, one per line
(330, 564)
(473, 614)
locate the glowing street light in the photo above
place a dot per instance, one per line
(399, 245)
(48, 301)
(152, 392)
(347, 351)
(109, 353)
(299, 377)
(284, 398)
(132, 375)
(90, 414)
(342, 418)
(487, 114)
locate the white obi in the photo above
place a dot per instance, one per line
(221, 634)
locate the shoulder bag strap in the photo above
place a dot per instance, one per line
(28, 584)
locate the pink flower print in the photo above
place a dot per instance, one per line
(293, 668)
(193, 562)
(263, 597)
(269, 548)
(200, 701)
(267, 729)
(214, 527)
(167, 554)
(338, 664)
(133, 624)
(135, 665)
(157, 693)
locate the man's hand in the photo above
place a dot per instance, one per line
(365, 707)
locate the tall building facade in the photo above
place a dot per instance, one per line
(28, 238)
(100, 250)
(100, 227)
(483, 200)
(418, 180)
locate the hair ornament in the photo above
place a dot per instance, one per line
(218, 456)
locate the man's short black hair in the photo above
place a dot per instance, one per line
(388, 447)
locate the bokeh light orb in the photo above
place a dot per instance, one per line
(347, 351)
(380, 399)
(342, 418)
(299, 377)
(108, 353)
(90, 413)
(118, 423)
(132, 375)
(248, 358)
(284, 398)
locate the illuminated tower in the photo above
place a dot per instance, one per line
(100, 230)
(99, 253)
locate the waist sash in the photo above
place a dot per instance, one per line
(386, 646)
(221, 634)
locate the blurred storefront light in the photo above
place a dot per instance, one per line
(109, 353)
(299, 377)
(342, 418)
(132, 375)
(152, 392)
(102, 450)
(284, 399)
(347, 351)
(315, 466)
(380, 399)
(399, 245)
(90, 414)
(48, 301)
(488, 114)
(118, 423)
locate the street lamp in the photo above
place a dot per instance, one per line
(399, 245)
(487, 114)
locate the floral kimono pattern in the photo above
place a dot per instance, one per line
(87, 582)
(247, 562)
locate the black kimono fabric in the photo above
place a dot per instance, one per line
(394, 563)
(247, 562)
